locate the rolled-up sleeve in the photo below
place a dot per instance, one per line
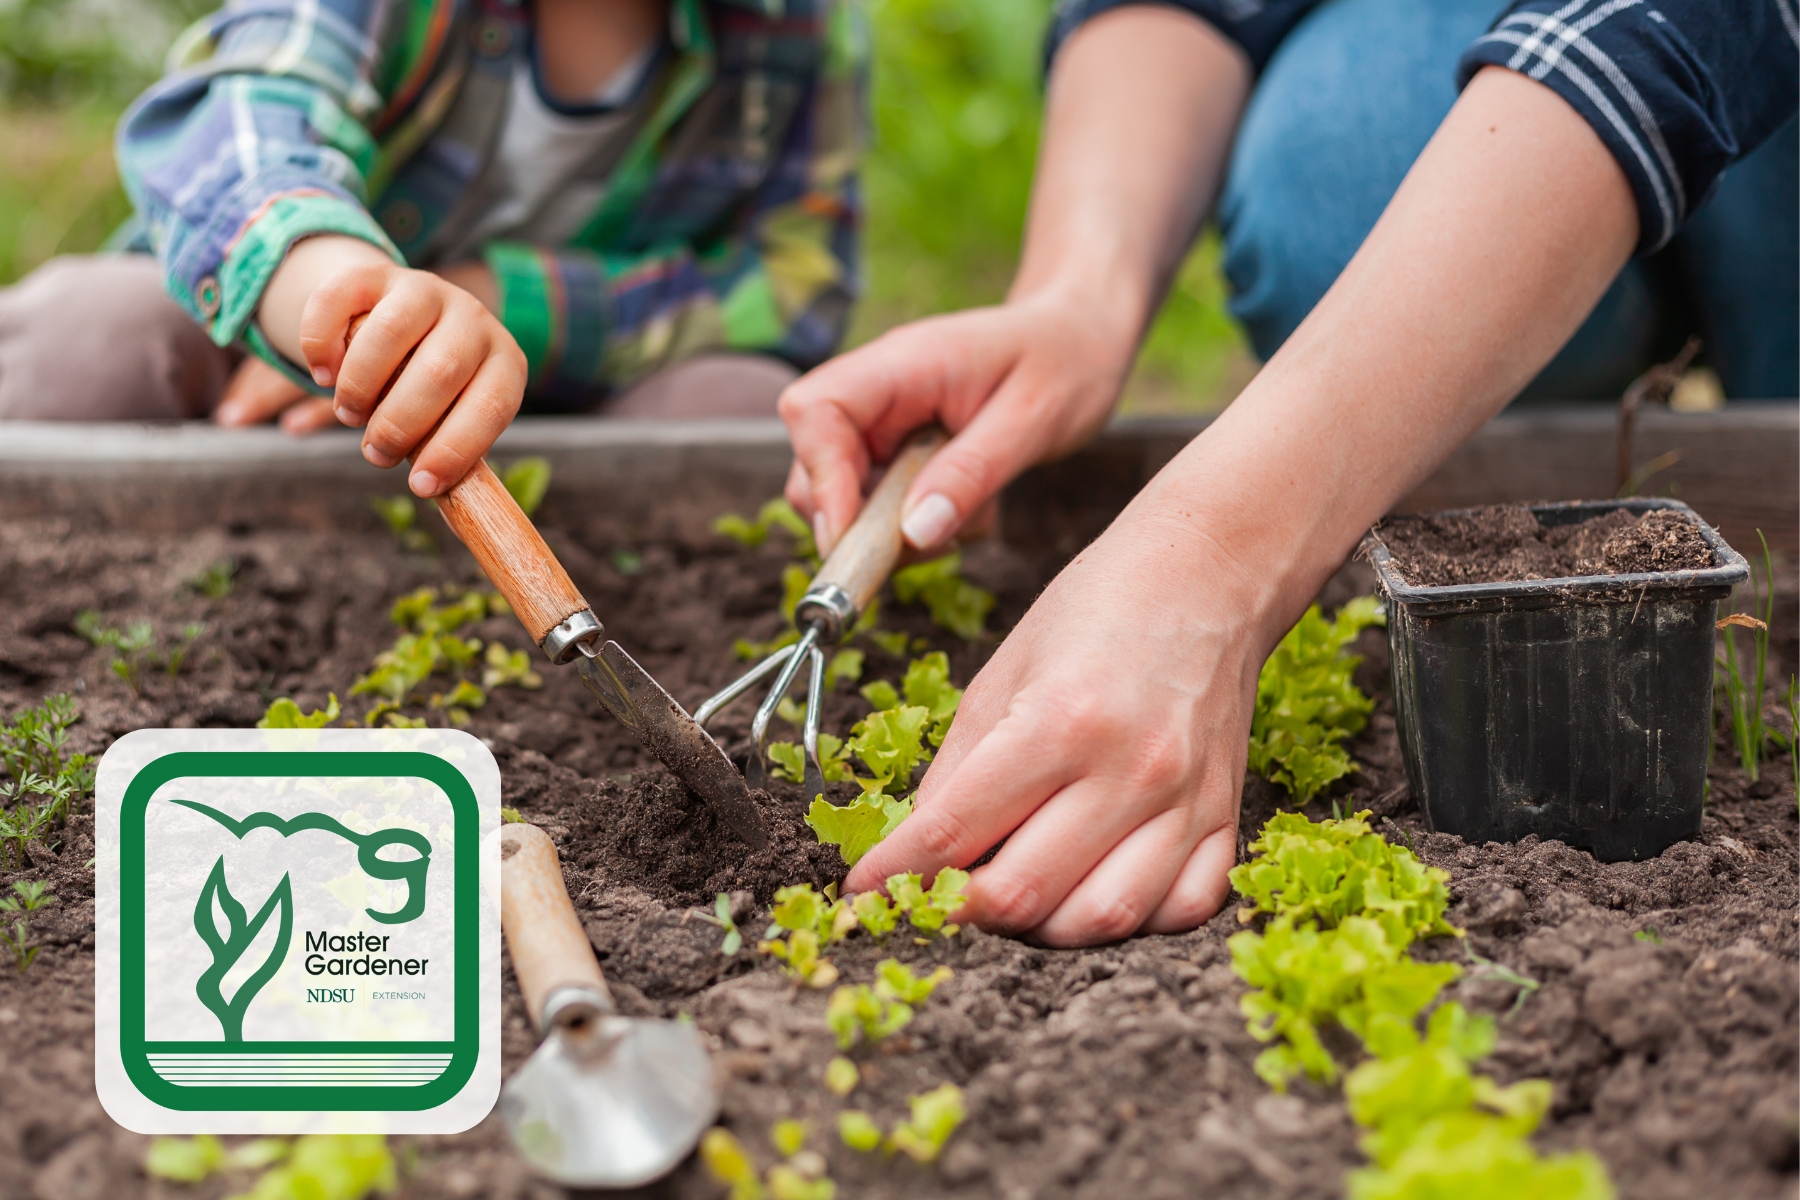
(1678, 90)
(1257, 26)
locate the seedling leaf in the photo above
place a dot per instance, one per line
(527, 480)
(857, 1130)
(935, 1116)
(285, 714)
(841, 1076)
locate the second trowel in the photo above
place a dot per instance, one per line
(512, 552)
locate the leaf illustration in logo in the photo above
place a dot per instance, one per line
(229, 947)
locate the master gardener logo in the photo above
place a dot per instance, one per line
(296, 931)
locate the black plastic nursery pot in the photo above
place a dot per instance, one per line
(1578, 709)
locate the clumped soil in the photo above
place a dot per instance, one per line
(1120, 1070)
(1504, 543)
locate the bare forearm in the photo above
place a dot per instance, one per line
(1142, 106)
(1503, 236)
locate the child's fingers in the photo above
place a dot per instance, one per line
(397, 324)
(308, 415)
(257, 393)
(480, 415)
(342, 295)
(440, 367)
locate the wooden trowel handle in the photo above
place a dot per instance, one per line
(549, 948)
(862, 561)
(481, 512)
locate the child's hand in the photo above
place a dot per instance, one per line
(258, 393)
(458, 375)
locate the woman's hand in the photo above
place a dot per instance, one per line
(1017, 384)
(461, 376)
(1107, 737)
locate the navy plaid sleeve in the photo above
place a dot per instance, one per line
(1677, 89)
(1256, 25)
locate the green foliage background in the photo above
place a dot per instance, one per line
(957, 99)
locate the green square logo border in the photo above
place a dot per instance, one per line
(464, 1047)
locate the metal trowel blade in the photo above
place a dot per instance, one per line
(629, 693)
(619, 1119)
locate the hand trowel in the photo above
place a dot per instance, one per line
(605, 1101)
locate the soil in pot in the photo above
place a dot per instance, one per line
(1506, 542)
(1121, 1069)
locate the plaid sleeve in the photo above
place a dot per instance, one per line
(1678, 90)
(263, 144)
(780, 281)
(1255, 25)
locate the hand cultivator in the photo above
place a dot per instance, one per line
(840, 592)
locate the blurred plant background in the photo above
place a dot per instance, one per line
(957, 99)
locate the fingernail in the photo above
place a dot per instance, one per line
(423, 483)
(322, 376)
(931, 521)
(378, 457)
(227, 414)
(821, 532)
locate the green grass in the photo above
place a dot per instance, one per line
(956, 104)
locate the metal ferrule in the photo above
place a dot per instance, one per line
(830, 608)
(564, 642)
(582, 1018)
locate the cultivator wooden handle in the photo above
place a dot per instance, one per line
(861, 562)
(481, 512)
(550, 951)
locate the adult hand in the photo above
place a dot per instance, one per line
(1117, 780)
(461, 376)
(1016, 384)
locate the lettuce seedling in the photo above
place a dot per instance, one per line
(799, 956)
(509, 668)
(788, 1136)
(775, 514)
(875, 914)
(1332, 869)
(935, 1116)
(841, 1076)
(285, 714)
(1307, 704)
(790, 759)
(1473, 1155)
(857, 828)
(215, 581)
(955, 604)
(812, 922)
(191, 1160)
(400, 515)
(729, 1163)
(858, 1130)
(928, 909)
(527, 479)
(734, 937)
(459, 700)
(896, 980)
(890, 746)
(845, 664)
(861, 1009)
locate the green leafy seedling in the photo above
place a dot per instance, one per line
(190, 633)
(858, 1130)
(860, 1010)
(510, 816)
(128, 645)
(28, 898)
(527, 479)
(788, 1136)
(1307, 704)
(935, 1116)
(775, 514)
(215, 582)
(895, 980)
(506, 668)
(285, 714)
(955, 604)
(400, 515)
(1487, 968)
(799, 955)
(728, 1162)
(875, 914)
(734, 937)
(322, 1166)
(1742, 693)
(857, 828)
(845, 664)
(841, 1076)
(192, 1160)
(929, 909)
(790, 759)
(890, 744)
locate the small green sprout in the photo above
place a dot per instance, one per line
(527, 479)
(506, 668)
(734, 937)
(890, 745)
(788, 1137)
(896, 980)
(892, 641)
(860, 1009)
(841, 1076)
(30, 897)
(1307, 703)
(875, 914)
(190, 633)
(192, 1160)
(790, 759)
(1487, 968)
(775, 514)
(929, 909)
(285, 714)
(1742, 693)
(323, 1166)
(400, 515)
(858, 1130)
(845, 664)
(216, 581)
(799, 955)
(510, 816)
(955, 604)
(36, 742)
(729, 1163)
(627, 562)
(1648, 935)
(857, 828)
(459, 700)
(935, 1116)
(128, 645)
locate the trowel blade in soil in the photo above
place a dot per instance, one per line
(619, 1119)
(815, 778)
(629, 693)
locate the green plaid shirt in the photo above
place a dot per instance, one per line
(727, 222)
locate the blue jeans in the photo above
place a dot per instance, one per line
(1344, 108)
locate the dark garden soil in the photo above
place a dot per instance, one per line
(1505, 542)
(1118, 1071)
